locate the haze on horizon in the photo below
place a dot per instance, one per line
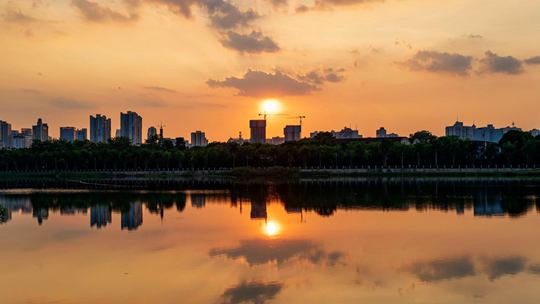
(207, 65)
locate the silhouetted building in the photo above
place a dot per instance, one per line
(198, 139)
(40, 131)
(100, 128)
(152, 133)
(292, 133)
(485, 134)
(22, 139)
(131, 127)
(67, 134)
(276, 140)
(258, 131)
(345, 133)
(81, 134)
(100, 216)
(132, 218)
(239, 140)
(5, 132)
(381, 133)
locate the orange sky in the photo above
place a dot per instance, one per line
(403, 64)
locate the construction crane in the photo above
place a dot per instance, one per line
(301, 117)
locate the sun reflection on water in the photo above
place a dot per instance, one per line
(272, 228)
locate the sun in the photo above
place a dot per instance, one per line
(272, 228)
(271, 106)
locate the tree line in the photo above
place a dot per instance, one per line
(422, 149)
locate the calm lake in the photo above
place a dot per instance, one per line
(308, 242)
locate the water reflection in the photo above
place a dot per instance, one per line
(280, 243)
(325, 200)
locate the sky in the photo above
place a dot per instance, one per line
(207, 65)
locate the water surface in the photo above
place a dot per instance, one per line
(415, 242)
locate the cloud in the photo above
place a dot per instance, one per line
(440, 62)
(493, 63)
(319, 77)
(12, 15)
(302, 9)
(160, 89)
(278, 3)
(225, 15)
(253, 43)
(67, 103)
(439, 270)
(260, 84)
(535, 268)
(498, 267)
(328, 4)
(93, 11)
(258, 252)
(251, 292)
(532, 60)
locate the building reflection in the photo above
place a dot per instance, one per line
(323, 199)
(198, 200)
(132, 218)
(100, 216)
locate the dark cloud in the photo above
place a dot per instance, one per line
(160, 89)
(533, 60)
(251, 292)
(225, 15)
(440, 62)
(438, 270)
(259, 251)
(498, 267)
(493, 63)
(319, 77)
(93, 11)
(253, 43)
(261, 84)
(180, 7)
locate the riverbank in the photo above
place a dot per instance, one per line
(246, 173)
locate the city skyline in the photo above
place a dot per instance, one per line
(64, 59)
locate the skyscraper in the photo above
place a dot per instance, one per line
(40, 131)
(292, 133)
(198, 139)
(131, 127)
(67, 134)
(152, 133)
(100, 128)
(132, 218)
(5, 132)
(258, 130)
(81, 134)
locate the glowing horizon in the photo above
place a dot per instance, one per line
(405, 65)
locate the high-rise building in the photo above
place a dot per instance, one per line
(198, 139)
(485, 134)
(152, 133)
(131, 127)
(67, 134)
(258, 131)
(292, 133)
(81, 134)
(5, 132)
(100, 128)
(40, 131)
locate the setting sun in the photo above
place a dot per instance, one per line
(271, 106)
(272, 228)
